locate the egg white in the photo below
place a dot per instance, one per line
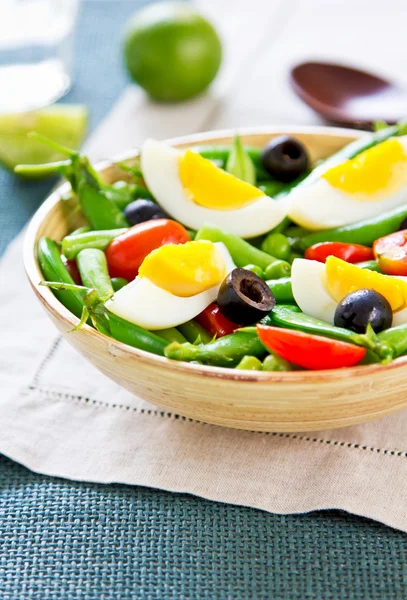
(143, 303)
(308, 280)
(160, 168)
(321, 206)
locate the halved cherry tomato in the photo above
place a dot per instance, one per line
(214, 322)
(391, 253)
(351, 253)
(72, 269)
(127, 251)
(310, 351)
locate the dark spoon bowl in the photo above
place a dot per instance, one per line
(348, 96)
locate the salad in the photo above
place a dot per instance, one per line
(241, 257)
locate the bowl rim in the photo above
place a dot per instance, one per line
(52, 304)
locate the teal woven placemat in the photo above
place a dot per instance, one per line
(61, 540)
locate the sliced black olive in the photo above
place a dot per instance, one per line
(244, 297)
(403, 225)
(285, 158)
(142, 210)
(361, 307)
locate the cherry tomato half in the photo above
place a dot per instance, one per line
(351, 253)
(310, 351)
(391, 253)
(127, 251)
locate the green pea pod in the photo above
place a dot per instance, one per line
(99, 210)
(171, 335)
(240, 164)
(242, 252)
(282, 289)
(396, 339)
(363, 232)
(290, 317)
(136, 336)
(122, 193)
(53, 269)
(193, 331)
(118, 283)
(92, 267)
(226, 351)
(72, 244)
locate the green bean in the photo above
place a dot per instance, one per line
(363, 232)
(136, 336)
(192, 331)
(73, 244)
(125, 193)
(240, 164)
(53, 269)
(282, 289)
(271, 188)
(249, 363)
(118, 283)
(226, 351)
(370, 265)
(92, 267)
(396, 339)
(272, 362)
(83, 229)
(171, 335)
(242, 252)
(277, 245)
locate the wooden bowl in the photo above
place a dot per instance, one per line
(261, 401)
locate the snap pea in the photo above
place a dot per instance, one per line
(396, 339)
(192, 331)
(272, 362)
(136, 336)
(171, 335)
(364, 232)
(249, 363)
(72, 244)
(277, 245)
(53, 269)
(222, 152)
(118, 283)
(99, 210)
(291, 317)
(282, 289)
(226, 351)
(92, 267)
(83, 229)
(240, 164)
(242, 252)
(271, 188)
(122, 193)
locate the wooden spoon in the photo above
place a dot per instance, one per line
(348, 96)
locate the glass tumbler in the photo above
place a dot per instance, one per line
(36, 52)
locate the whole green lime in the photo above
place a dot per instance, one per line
(171, 51)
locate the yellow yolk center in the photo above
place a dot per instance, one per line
(211, 187)
(184, 269)
(379, 169)
(343, 278)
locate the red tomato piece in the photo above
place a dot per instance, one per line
(391, 253)
(127, 251)
(214, 322)
(310, 351)
(72, 268)
(351, 253)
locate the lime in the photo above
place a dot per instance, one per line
(171, 51)
(63, 123)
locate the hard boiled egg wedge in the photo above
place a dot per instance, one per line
(373, 182)
(192, 190)
(175, 283)
(318, 287)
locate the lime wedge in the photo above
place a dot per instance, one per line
(63, 123)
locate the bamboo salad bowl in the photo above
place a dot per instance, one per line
(258, 401)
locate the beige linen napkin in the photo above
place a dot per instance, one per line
(59, 416)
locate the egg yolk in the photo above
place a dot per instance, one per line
(381, 168)
(184, 269)
(342, 278)
(211, 187)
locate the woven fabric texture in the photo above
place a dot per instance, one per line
(61, 540)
